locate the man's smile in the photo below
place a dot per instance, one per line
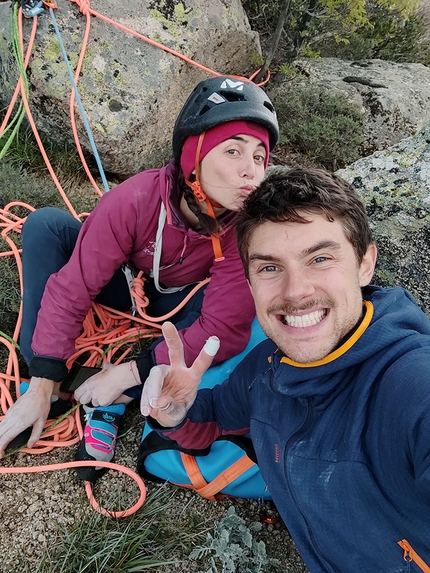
(302, 321)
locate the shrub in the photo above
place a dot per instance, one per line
(327, 129)
(390, 37)
(337, 28)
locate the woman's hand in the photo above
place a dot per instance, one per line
(103, 388)
(31, 409)
(170, 391)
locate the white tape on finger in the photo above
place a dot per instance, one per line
(212, 345)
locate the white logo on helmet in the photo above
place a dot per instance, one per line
(232, 84)
(216, 98)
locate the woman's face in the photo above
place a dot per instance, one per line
(232, 169)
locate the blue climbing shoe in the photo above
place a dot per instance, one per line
(98, 443)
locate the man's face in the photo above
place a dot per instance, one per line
(306, 283)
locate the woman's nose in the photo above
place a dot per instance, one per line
(248, 168)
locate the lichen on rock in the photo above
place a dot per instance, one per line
(395, 186)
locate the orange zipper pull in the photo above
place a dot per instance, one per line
(406, 549)
(410, 555)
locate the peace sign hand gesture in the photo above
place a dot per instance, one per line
(170, 390)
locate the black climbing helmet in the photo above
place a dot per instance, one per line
(221, 99)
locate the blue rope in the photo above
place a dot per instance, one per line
(78, 99)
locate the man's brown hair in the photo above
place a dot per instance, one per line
(288, 195)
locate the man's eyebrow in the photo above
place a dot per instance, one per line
(324, 244)
(262, 257)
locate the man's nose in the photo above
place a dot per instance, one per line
(296, 285)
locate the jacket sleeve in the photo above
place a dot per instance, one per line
(227, 312)
(111, 227)
(418, 408)
(404, 416)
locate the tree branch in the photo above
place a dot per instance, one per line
(285, 9)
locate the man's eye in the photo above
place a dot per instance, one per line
(269, 269)
(232, 151)
(259, 158)
(320, 259)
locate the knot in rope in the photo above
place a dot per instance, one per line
(84, 6)
(138, 293)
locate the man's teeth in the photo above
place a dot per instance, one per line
(304, 320)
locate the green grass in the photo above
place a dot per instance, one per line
(23, 154)
(145, 541)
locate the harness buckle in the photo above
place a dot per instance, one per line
(49, 4)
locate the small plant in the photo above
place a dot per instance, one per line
(326, 129)
(234, 547)
(257, 59)
(290, 70)
(307, 52)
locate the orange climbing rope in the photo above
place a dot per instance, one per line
(107, 334)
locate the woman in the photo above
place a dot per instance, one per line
(173, 223)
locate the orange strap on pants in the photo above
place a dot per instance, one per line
(211, 489)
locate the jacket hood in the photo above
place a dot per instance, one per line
(395, 327)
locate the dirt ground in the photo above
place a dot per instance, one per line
(32, 506)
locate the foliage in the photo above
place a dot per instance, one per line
(22, 152)
(234, 547)
(144, 541)
(327, 129)
(390, 36)
(388, 29)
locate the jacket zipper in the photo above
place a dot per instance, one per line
(410, 555)
(181, 256)
(293, 497)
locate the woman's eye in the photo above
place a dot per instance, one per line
(259, 158)
(232, 151)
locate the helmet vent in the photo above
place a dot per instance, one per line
(232, 96)
(205, 109)
(269, 106)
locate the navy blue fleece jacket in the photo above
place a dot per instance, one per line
(344, 444)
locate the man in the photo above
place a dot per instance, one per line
(337, 401)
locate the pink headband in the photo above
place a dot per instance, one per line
(217, 135)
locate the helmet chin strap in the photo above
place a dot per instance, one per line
(200, 195)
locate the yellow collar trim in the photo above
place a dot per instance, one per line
(345, 346)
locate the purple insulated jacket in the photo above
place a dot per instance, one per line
(122, 228)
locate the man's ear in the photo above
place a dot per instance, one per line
(367, 266)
